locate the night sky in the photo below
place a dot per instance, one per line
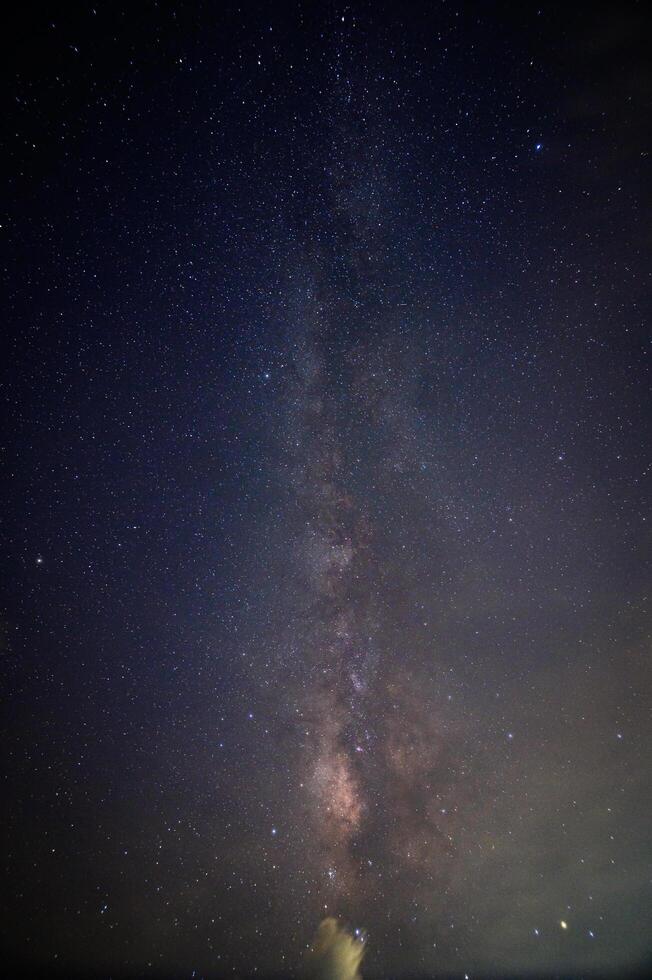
(325, 449)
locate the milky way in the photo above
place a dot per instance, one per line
(377, 767)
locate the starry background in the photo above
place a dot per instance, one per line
(323, 512)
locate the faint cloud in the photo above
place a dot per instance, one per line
(334, 954)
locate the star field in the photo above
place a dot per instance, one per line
(326, 430)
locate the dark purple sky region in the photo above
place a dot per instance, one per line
(326, 449)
